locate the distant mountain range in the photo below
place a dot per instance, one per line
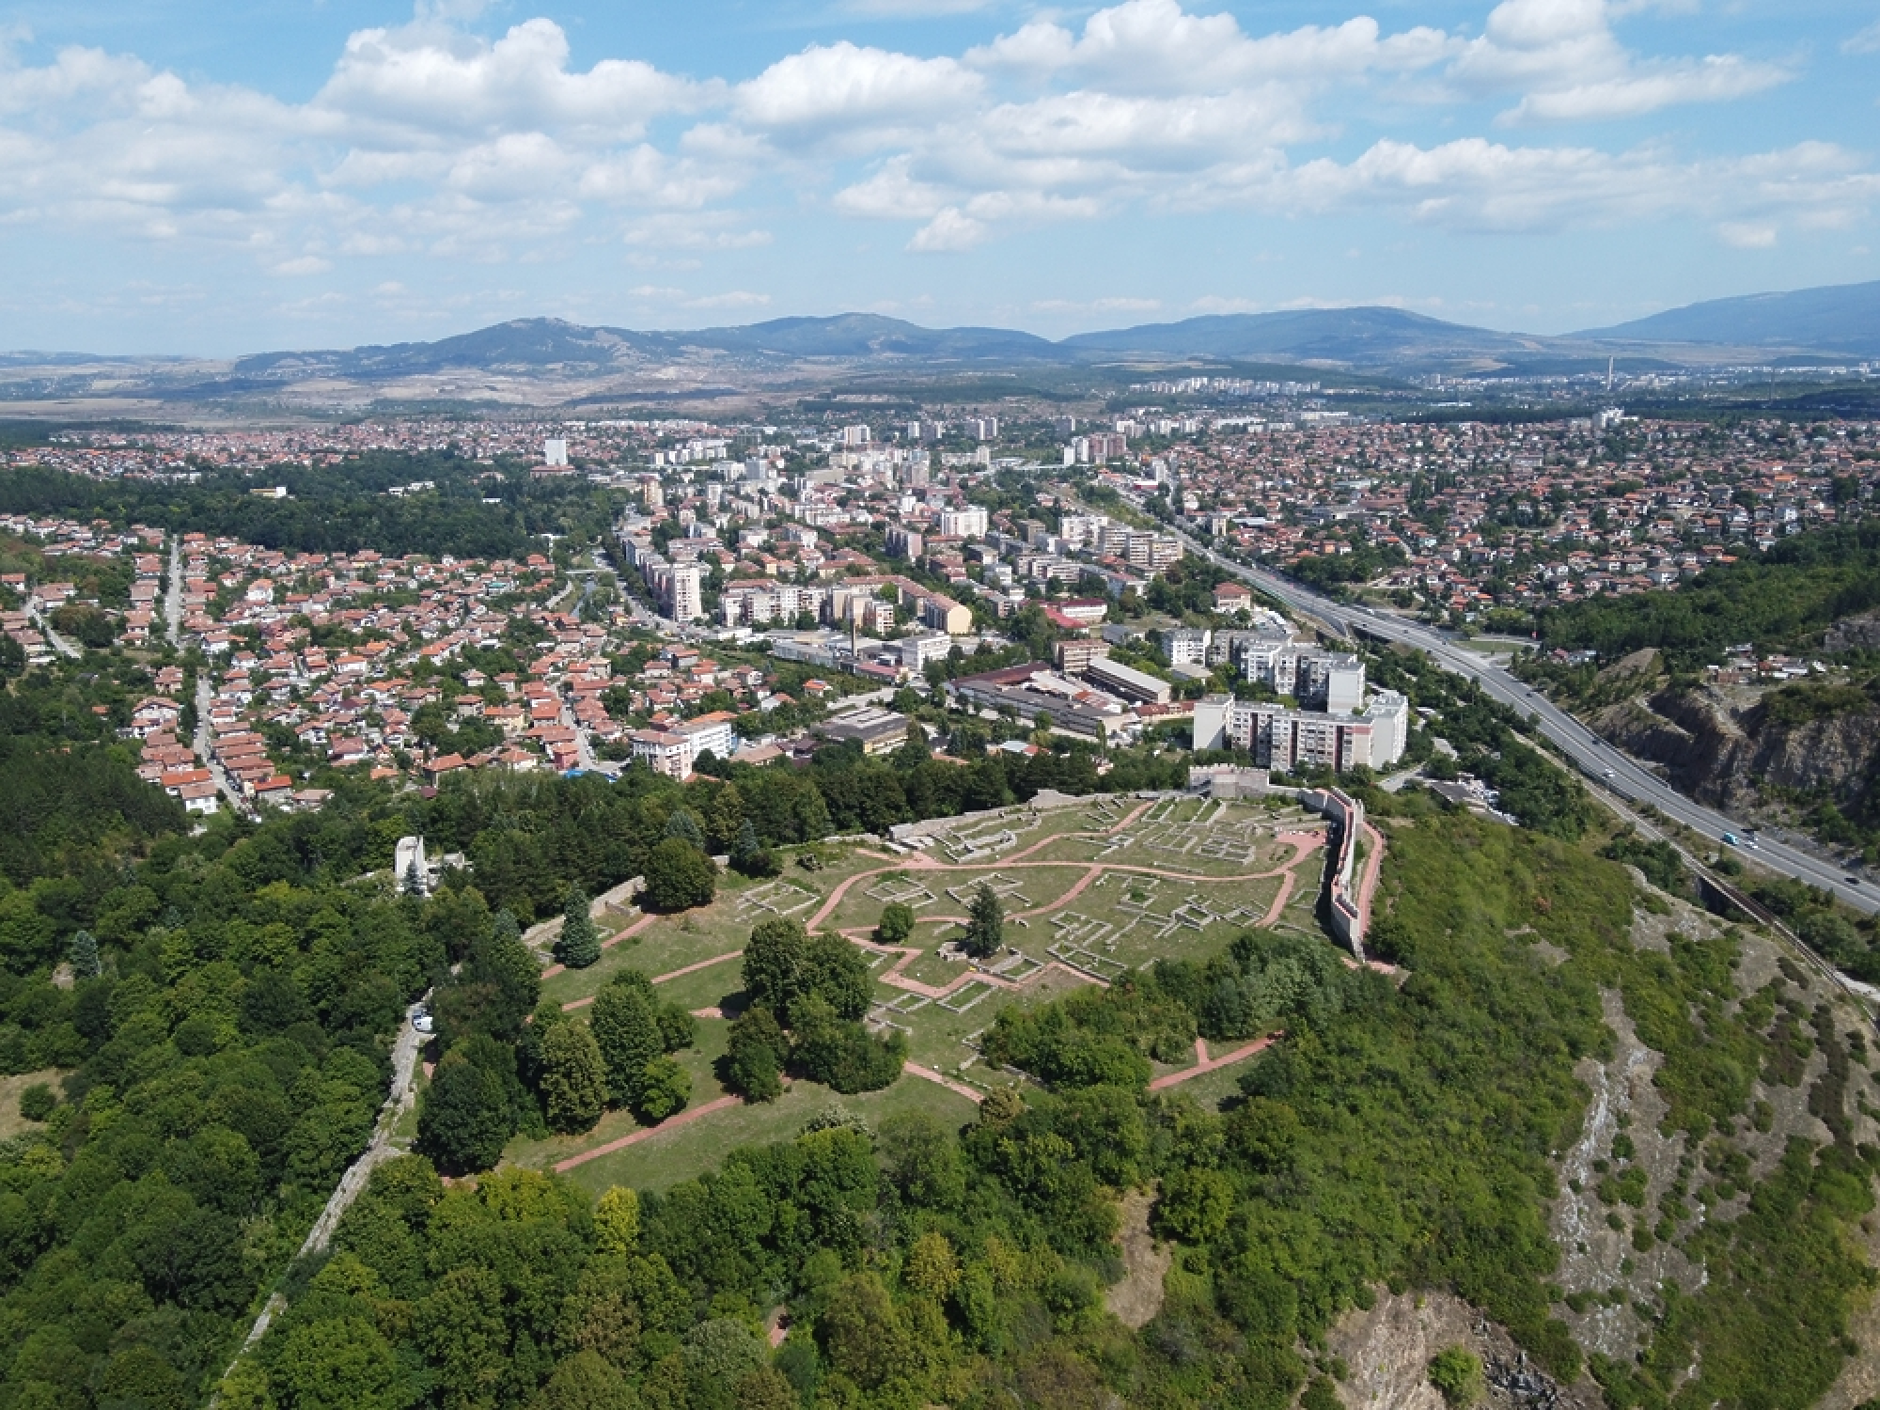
(542, 360)
(1843, 318)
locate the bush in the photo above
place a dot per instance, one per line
(665, 1088)
(37, 1102)
(896, 924)
(1457, 1373)
(839, 1053)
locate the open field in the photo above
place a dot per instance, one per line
(1090, 893)
(11, 1122)
(663, 1160)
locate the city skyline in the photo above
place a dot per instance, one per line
(305, 175)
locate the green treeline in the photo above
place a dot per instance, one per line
(530, 838)
(1784, 598)
(338, 508)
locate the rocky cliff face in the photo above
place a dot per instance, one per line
(1723, 749)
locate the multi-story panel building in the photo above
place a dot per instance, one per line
(967, 523)
(1282, 738)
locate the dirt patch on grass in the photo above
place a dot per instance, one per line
(1138, 1297)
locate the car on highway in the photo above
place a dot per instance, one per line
(1729, 840)
(1851, 880)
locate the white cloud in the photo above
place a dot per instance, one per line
(840, 87)
(430, 137)
(734, 298)
(949, 232)
(437, 79)
(1867, 41)
(1742, 236)
(1155, 45)
(1563, 57)
(1476, 184)
(891, 194)
(706, 231)
(306, 264)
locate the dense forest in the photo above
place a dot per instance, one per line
(1782, 599)
(339, 508)
(209, 1015)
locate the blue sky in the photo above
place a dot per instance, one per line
(211, 178)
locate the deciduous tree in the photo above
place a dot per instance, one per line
(574, 1079)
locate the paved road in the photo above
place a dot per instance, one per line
(202, 745)
(173, 599)
(58, 643)
(1603, 763)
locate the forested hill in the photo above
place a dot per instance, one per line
(1783, 599)
(475, 511)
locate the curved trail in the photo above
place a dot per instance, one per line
(1204, 1063)
(610, 942)
(574, 1004)
(690, 1114)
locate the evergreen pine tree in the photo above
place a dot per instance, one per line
(684, 825)
(745, 845)
(985, 924)
(579, 944)
(84, 955)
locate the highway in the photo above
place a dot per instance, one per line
(1603, 763)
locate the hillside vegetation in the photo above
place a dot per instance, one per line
(1403, 1134)
(1785, 598)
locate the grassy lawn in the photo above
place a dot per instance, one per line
(1122, 917)
(1211, 1089)
(11, 1122)
(938, 1035)
(663, 1161)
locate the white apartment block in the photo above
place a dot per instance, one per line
(711, 732)
(1282, 738)
(917, 651)
(752, 604)
(1185, 646)
(1082, 530)
(663, 751)
(967, 523)
(684, 593)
